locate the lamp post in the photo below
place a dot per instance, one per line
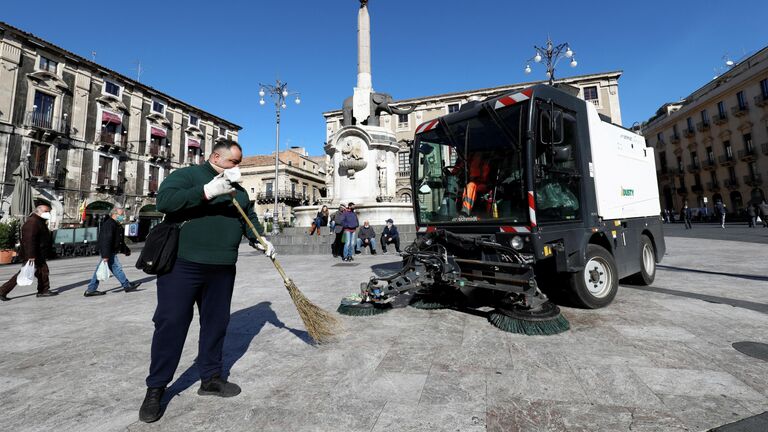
(278, 92)
(552, 54)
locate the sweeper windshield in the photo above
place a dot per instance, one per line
(472, 171)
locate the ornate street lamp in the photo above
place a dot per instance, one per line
(278, 92)
(552, 54)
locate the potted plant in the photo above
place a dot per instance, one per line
(7, 241)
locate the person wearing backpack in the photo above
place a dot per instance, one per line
(111, 242)
(199, 199)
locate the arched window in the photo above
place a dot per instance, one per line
(406, 197)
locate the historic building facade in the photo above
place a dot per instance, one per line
(601, 89)
(300, 181)
(91, 137)
(713, 145)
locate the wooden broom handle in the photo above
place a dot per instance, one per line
(260, 240)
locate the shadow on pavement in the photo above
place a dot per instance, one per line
(757, 307)
(736, 275)
(244, 325)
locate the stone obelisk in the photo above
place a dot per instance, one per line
(361, 101)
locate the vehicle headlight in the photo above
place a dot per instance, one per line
(517, 242)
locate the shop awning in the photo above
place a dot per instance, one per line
(157, 132)
(108, 117)
(193, 143)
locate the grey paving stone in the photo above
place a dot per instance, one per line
(403, 417)
(686, 382)
(704, 413)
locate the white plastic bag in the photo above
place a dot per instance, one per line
(102, 273)
(27, 274)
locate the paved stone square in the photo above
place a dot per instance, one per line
(658, 359)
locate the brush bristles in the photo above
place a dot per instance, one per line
(351, 310)
(421, 304)
(321, 325)
(556, 325)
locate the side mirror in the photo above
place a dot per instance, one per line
(551, 126)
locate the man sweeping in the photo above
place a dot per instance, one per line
(199, 198)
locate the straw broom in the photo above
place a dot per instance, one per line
(320, 324)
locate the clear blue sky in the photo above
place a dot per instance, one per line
(214, 54)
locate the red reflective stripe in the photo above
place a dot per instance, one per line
(431, 228)
(532, 209)
(508, 229)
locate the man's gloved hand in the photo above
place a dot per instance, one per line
(268, 251)
(216, 187)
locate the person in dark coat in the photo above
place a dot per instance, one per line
(687, 215)
(366, 236)
(752, 213)
(36, 245)
(337, 225)
(390, 235)
(720, 207)
(350, 224)
(112, 242)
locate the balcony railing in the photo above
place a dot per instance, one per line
(105, 183)
(713, 186)
(708, 165)
(702, 126)
(112, 140)
(401, 174)
(45, 122)
(39, 168)
(754, 180)
(726, 160)
(720, 118)
(740, 110)
(674, 139)
(159, 152)
(761, 100)
(287, 196)
(689, 133)
(731, 184)
(694, 168)
(748, 155)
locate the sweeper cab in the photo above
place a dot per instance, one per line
(523, 194)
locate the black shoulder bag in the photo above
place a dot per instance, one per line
(160, 248)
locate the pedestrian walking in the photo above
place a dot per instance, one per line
(35, 246)
(390, 235)
(764, 213)
(111, 242)
(720, 206)
(350, 223)
(321, 220)
(366, 236)
(337, 227)
(687, 214)
(199, 198)
(752, 215)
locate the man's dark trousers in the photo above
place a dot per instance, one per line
(210, 287)
(384, 243)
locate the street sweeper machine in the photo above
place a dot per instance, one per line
(522, 199)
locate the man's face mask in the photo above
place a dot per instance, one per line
(120, 218)
(232, 174)
(46, 215)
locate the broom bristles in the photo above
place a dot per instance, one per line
(321, 325)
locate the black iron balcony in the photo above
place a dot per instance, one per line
(46, 123)
(287, 196)
(731, 184)
(697, 188)
(694, 168)
(761, 100)
(159, 153)
(114, 142)
(104, 184)
(726, 160)
(740, 110)
(702, 126)
(708, 165)
(713, 186)
(401, 174)
(689, 132)
(748, 155)
(674, 139)
(753, 180)
(720, 118)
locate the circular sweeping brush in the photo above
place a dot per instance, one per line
(543, 321)
(361, 309)
(432, 299)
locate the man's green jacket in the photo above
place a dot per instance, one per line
(212, 230)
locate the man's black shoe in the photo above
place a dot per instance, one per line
(216, 386)
(47, 294)
(4, 298)
(93, 293)
(151, 410)
(132, 287)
